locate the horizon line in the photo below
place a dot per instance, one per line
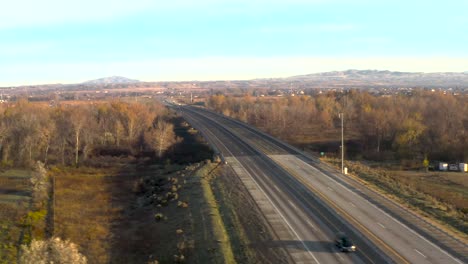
(145, 80)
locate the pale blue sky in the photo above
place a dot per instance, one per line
(51, 41)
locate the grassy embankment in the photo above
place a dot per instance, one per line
(218, 226)
(442, 197)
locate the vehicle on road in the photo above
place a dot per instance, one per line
(343, 243)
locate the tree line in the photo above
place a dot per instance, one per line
(430, 125)
(70, 134)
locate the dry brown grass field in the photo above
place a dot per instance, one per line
(85, 208)
(450, 187)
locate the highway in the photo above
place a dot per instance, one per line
(307, 203)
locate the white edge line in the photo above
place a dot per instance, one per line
(310, 223)
(420, 253)
(292, 204)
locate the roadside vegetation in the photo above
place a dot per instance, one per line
(108, 182)
(36, 136)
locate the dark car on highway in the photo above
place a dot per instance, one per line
(343, 243)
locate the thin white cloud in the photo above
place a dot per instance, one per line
(25, 13)
(310, 28)
(19, 13)
(25, 48)
(370, 40)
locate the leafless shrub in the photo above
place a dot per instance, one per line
(179, 258)
(39, 183)
(158, 217)
(182, 204)
(54, 250)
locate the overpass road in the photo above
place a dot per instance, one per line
(306, 202)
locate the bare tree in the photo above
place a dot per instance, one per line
(39, 183)
(161, 137)
(78, 118)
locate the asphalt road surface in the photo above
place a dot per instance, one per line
(307, 203)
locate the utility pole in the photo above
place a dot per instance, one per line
(342, 143)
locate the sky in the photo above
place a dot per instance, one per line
(58, 41)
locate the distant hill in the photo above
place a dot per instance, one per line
(348, 79)
(385, 78)
(376, 74)
(112, 80)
